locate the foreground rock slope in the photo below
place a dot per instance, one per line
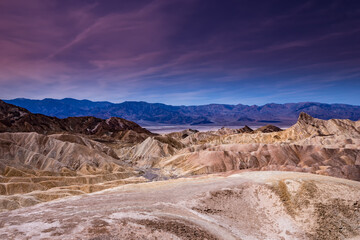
(251, 205)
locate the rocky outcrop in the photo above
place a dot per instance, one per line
(309, 126)
(269, 128)
(327, 147)
(245, 129)
(86, 154)
(339, 162)
(54, 152)
(152, 150)
(43, 158)
(36, 168)
(182, 134)
(305, 128)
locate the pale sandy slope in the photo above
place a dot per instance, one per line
(35, 168)
(326, 147)
(248, 205)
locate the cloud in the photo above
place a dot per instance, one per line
(145, 49)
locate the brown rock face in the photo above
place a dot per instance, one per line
(16, 119)
(268, 129)
(10, 113)
(306, 118)
(245, 129)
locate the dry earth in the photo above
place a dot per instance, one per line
(219, 184)
(37, 167)
(250, 205)
(326, 147)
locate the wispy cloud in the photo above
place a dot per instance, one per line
(177, 51)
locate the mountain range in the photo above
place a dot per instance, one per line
(147, 114)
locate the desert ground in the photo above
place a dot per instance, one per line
(248, 205)
(90, 178)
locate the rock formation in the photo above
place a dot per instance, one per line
(251, 205)
(44, 158)
(228, 187)
(36, 167)
(327, 147)
(245, 129)
(269, 128)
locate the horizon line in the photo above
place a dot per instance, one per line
(140, 101)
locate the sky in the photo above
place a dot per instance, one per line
(181, 52)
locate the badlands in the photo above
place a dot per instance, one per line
(89, 178)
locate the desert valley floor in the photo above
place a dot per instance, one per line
(89, 178)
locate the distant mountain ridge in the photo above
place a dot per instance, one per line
(18, 119)
(216, 114)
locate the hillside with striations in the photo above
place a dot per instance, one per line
(117, 180)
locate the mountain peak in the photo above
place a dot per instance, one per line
(304, 117)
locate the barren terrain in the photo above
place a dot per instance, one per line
(251, 205)
(88, 178)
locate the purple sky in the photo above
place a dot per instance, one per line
(181, 51)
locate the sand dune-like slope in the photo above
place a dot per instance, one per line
(327, 147)
(251, 205)
(36, 168)
(339, 162)
(150, 151)
(54, 152)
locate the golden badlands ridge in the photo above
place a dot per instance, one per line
(88, 178)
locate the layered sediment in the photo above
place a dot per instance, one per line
(226, 187)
